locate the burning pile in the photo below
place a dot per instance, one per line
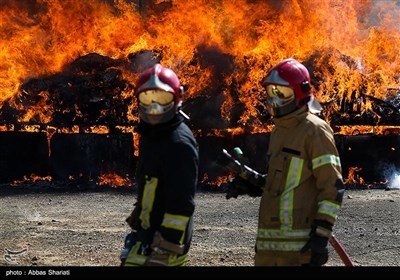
(89, 91)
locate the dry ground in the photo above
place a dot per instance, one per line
(47, 227)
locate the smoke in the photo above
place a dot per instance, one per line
(394, 181)
(393, 176)
(383, 13)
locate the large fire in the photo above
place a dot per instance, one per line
(220, 49)
(65, 63)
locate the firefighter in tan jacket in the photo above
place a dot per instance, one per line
(304, 186)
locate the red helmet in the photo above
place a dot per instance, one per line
(288, 87)
(159, 94)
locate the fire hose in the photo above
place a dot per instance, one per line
(340, 251)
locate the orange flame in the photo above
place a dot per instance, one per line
(348, 45)
(31, 178)
(218, 181)
(114, 180)
(353, 177)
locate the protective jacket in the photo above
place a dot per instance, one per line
(166, 180)
(304, 183)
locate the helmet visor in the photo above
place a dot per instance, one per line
(280, 100)
(160, 97)
(281, 92)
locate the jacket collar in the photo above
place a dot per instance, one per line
(292, 119)
(159, 129)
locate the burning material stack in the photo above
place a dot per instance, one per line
(87, 92)
(87, 115)
(73, 124)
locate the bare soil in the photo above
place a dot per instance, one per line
(85, 227)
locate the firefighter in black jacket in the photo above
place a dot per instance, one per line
(166, 174)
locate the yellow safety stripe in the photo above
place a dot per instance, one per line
(325, 159)
(180, 261)
(134, 258)
(286, 200)
(177, 222)
(280, 245)
(323, 232)
(328, 208)
(282, 240)
(283, 234)
(148, 201)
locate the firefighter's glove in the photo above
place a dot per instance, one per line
(163, 251)
(320, 233)
(239, 186)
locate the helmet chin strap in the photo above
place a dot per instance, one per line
(183, 114)
(179, 109)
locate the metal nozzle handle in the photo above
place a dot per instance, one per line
(238, 152)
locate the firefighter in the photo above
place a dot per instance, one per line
(166, 173)
(304, 187)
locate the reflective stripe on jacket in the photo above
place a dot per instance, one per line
(304, 182)
(166, 181)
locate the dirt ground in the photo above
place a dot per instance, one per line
(85, 227)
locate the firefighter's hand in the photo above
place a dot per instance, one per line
(239, 186)
(318, 243)
(319, 250)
